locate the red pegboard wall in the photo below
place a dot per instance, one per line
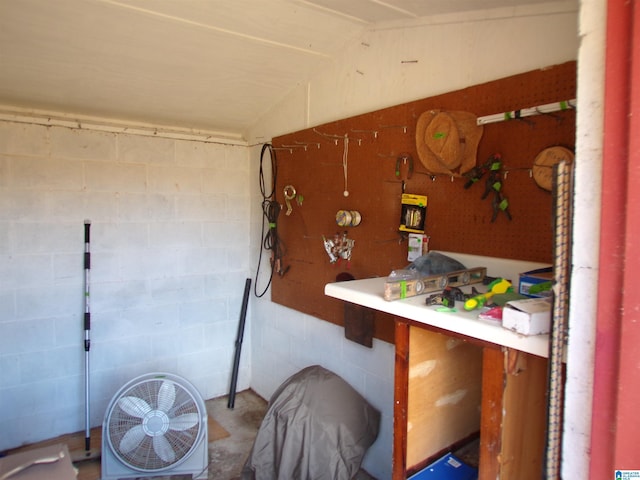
(458, 219)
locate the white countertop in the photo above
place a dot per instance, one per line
(369, 293)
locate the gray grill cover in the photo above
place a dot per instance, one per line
(317, 427)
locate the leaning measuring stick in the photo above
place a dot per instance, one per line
(87, 328)
(236, 359)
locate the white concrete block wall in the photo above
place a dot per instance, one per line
(169, 243)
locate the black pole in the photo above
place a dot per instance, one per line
(236, 359)
(87, 328)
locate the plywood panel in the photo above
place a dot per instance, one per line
(444, 394)
(458, 219)
(524, 422)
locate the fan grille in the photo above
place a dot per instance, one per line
(157, 444)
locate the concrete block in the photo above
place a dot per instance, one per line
(225, 283)
(237, 158)
(7, 305)
(9, 371)
(275, 341)
(5, 238)
(188, 341)
(199, 154)
(174, 179)
(82, 144)
(231, 182)
(69, 331)
(46, 173)
(112, 237)
(146, 150)
(55, 363)
(47, 237)
(31, 398)
(26, 205)
(180, 233)
(223, 334)
(23, 139)
(175, 290)
(27, 336)
(203, 312)
(67, 206)
(96, 206)
(121, 354)
(47, 301)
(67, 267)
(25, 270)
(115, 177)
(143, 264)
(120, 295)
(144, 207)
(105, 268)
(208, 207)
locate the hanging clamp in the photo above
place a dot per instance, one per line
(289, 194)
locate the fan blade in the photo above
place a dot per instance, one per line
(184, 422)
(163, 449)
(134, 406)
(166, 396)
(132, 439)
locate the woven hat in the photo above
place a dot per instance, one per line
(543, 164)
(447, 142)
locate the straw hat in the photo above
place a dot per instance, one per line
(447, 142)
(543, 164)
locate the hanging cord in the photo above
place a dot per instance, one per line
(345, 156)
(270, 212)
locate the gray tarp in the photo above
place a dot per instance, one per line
(317, 427)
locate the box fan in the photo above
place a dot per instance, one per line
(156, 424)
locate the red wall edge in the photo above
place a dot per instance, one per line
(612, 438)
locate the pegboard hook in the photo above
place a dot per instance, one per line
(373, 132)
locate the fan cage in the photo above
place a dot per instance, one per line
(144, 458)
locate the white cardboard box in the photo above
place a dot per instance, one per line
(418, 246)
(528, 317)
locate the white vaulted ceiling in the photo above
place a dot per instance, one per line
(213, 65)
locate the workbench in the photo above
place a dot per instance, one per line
(457, 376)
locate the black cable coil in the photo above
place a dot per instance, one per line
(270, 212)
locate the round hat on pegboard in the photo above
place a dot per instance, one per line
(543, 165)
(447, 141)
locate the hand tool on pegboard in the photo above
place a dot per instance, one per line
(493, 185)
(404, 168)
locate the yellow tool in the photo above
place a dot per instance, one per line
(497, 286)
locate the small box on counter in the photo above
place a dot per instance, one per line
(448, 467)
(531, 316)
(536, 283)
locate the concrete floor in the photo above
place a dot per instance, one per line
(230, 440)
(227, 453)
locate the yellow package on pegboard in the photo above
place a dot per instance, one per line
(414, 213)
